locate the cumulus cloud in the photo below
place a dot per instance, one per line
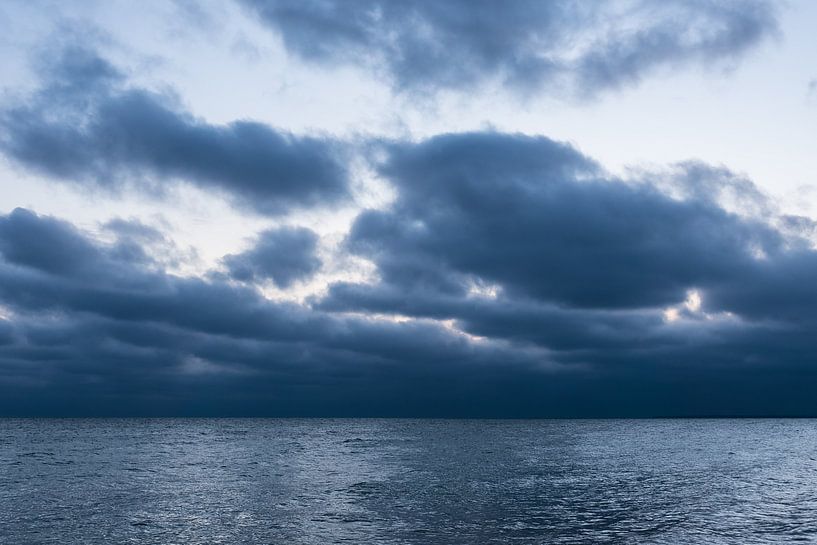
(576, 47)
(86, 126)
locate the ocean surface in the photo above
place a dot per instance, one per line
(171, 481)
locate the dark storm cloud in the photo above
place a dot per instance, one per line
(574, 46)
(515, 277)
(778, 288)
(283, 255)
(51, 266)
(86, 126)
(524, 239)
(542, 221)
(91, 331)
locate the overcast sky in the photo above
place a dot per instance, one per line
(429, 208)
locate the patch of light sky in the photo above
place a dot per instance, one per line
(225, 66)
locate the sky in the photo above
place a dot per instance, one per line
(415, 209)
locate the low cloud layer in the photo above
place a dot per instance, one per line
(526, 240)
(89, 329)
(571, 48)
(514, 278)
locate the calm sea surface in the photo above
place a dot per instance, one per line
(407, 481)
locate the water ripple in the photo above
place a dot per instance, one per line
(401, 481)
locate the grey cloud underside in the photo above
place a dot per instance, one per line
(94, 330)
(283, 255)
(536, 285)
(578, 48)
(85, 126)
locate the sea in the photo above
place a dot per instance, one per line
(368, 481)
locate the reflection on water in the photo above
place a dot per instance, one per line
(407, 481)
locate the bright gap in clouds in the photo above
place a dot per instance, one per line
(691, 306)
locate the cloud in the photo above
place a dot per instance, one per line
(543, 221)
(283, 255)
(45, 245)
(93, 332)
(515, 277)
(575, 47)
(86, 126)
(524, 239)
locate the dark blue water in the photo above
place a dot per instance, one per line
(407, 481)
